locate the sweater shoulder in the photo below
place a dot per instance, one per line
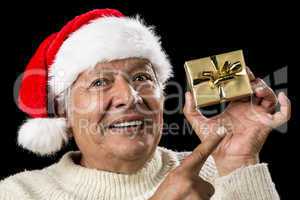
(22, 184)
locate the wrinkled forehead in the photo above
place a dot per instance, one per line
(122, 65)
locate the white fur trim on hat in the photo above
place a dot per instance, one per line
(106, 39)
(43, 136)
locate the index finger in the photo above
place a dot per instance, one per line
(284, 114)
(250, 74)
(194, 162)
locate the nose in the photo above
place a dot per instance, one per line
(125, 96)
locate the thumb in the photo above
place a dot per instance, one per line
(190, 106)
(194, 117)
(194, 162)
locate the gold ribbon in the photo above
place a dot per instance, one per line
(221, 75)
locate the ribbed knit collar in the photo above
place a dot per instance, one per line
(88, 183)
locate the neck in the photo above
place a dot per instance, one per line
(115, 165)
(99, 184)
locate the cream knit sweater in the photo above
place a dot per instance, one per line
(66, 180)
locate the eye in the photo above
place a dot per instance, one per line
(99, 83)
(142, 77)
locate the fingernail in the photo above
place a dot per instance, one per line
(282, 94)
(260, 88)
(186, 94)
(221, 131)
(282, 97)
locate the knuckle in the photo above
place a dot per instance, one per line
(259, 80)
(200, 155)
(260, 83)
(175, 172)
(185, 110)
(190, 185)
(284, 117)
(193, 185)
(263, 82)
(185, 183)
(185, 113)
(177, 175)
(288, 116)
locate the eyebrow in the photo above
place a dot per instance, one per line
(132, 67)
(147, 66)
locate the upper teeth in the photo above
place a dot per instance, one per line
(131, 123)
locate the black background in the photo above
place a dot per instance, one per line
(266, 33)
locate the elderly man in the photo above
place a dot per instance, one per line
(100, 79)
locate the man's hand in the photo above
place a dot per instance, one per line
(246, 122)
(184, 182)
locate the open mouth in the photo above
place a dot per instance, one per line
(128, 124)
(128, 127)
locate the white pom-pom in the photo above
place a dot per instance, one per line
(43, 136)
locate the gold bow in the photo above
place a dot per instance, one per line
(221, 75)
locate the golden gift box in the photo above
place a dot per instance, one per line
(218, 78)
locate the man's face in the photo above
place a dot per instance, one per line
(116, 110)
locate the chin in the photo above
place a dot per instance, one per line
(131, 148)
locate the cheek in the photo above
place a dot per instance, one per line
(87, 110)
(158, 104)
(154, 99)
(86, 102)
(83, 102)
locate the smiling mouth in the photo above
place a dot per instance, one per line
(130, 127)
(127, 127)
(127, 124)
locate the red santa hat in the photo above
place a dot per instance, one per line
(96, 36)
